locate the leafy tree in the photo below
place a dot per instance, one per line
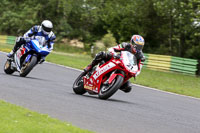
(169, 27)
(179, 16)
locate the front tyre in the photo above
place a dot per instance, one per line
(28, 66)
(78, 86)
(107, 91)
(7, 67)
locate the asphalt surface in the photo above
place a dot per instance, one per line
(48, 90)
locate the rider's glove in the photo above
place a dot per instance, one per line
(133, 49)
(27, 39)
(143, 58)
(116, 56)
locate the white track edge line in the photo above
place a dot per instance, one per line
(132, 83)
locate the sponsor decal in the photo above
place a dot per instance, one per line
(103, 69)
(27, 48)
(91, 81)
(88, 87)
(19, 53)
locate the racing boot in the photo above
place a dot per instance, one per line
(11, 54)
(19, 41)
(90, 66)
(98, 58)
(126, 87)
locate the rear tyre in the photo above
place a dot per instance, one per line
(7, 67)
(107, 91)
(28, 66)
(78, 86)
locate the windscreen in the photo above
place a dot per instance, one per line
(129, 61)
(41, 40)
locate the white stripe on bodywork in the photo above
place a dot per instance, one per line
(103, 69)
(17, 60)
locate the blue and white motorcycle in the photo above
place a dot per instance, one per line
(26, 57)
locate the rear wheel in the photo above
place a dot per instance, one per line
(7, 67)
(107, 90)
(78, 86)
(28, 66)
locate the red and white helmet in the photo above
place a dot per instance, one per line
(138, 41)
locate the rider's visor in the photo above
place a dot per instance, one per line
(46, 28)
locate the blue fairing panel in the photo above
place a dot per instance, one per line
(44, 53)
(37, 49)
(28, 58)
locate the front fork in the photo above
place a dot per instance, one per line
(27, 59)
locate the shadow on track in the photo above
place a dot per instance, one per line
(108, 100)
(16, 75)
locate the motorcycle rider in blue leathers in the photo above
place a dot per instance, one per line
(43, 33)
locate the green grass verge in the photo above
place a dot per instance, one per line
(68, 59)
(172, 82)
(15, 119)
(67, 48)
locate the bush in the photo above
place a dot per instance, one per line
(108, 40)
(97, 47)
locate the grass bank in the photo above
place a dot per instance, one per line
(15, 119)
(69, 59)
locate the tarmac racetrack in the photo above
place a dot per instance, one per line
(48, 90)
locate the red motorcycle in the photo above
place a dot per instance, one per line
(105, 79)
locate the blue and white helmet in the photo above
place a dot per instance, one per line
(47, 26)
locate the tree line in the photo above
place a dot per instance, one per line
(170, 27)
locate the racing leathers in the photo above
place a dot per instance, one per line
(35, 33)
(103, 56)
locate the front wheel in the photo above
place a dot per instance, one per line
(28, 66)
(78, 86)
(108, 90)
(7, 67)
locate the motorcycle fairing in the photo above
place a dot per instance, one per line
(39, 48)
(127, 63)
(26, 51)
(130, 62)
(113, 76)
(94, 82)
(17, 57)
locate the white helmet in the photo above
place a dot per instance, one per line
(47, 26)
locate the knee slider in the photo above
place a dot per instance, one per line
(100, 55)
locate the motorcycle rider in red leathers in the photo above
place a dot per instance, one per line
(135, 46)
